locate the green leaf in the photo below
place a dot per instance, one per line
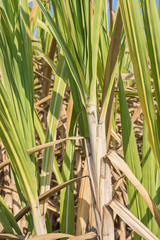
(7, 219)
(17, 99)
(152, 29)
(136, 41)
(67, 195)
(111, 65)
(54, 111)
(70, 58)
(149, 172)
(16, 148)
(137, 206)
(98, 7)
(5, 222)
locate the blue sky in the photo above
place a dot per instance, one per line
(113, 1)
(114, 4)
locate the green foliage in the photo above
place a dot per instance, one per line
(16, 98)
(87, 56)
(7, 219)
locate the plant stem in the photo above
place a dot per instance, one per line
(92, 126)
(99, 171)
(105, 188)
(39, 222)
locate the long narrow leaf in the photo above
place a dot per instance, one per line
(77, 73)
(46, 195)
(56, 101)
(130, 154)
(11, 220)
(152, 29)
(132, 221)
(136, 41)
(15, 146)
(67, 196)
(119, 163)
(149, 172)
(98, 7)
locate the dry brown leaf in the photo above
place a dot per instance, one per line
(52, 208)
(51, 236)
(118, 162)
(128, 76)
(12, 188)
(50, 144)
(47, 71)
(11, 236)
(33, 11)
(84, 201)
(43, 76)
(43, 100)
(116, 137)
(136, 114)
(117, 184)
(131, 220)
(89, 235)
(5, 163)
(46, 195)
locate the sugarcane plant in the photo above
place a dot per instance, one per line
(89, 57)
(82, 56)
(82, 59)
